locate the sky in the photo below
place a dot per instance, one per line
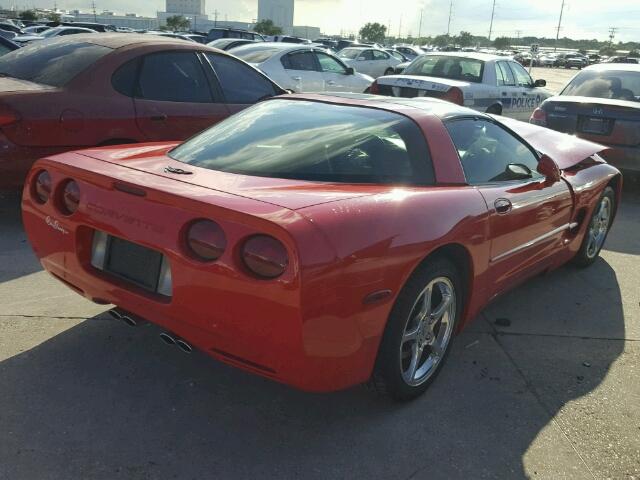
(581, 19)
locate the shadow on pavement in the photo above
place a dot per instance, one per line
(627, 218)
(103, 400)
(16, 257)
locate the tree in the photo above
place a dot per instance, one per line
(502, 43)
(608, 51)
(634, 53)
(178, 22)
(267, 27)
(29, 15)
(54, 17)
(373, 32)
(465, 39)
(442, 40)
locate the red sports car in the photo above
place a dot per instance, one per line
(106, 89)
(322, 241)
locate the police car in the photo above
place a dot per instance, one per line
(484, 82)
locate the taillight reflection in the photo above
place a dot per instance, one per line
(206, 240)
(265, 256)
(70, 199)
(42, 187)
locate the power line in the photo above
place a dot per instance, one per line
(555, 48)
(493, 13)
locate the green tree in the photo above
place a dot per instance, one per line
(634, 53)
(502, 43)
(267, 27)
(178, 23)
(54, 17)
(608, 51)
(28, 15)
(465, 39)
(373, 32)
(442, 40)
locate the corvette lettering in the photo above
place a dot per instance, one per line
(56, 225)
(123, 217)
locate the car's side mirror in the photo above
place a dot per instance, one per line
(548, 168)
(540, 83)
(518, 171)
(351, 71)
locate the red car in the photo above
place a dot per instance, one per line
(322, 241)
(106, 89)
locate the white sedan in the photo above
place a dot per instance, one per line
(51, 33)
(484, 82)
(302, 68)
(370, 61)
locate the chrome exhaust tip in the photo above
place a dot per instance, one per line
(168, 339)
(184, 346)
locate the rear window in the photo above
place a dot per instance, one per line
(618, 85)
(255, 53)
(51, 63)
(314, 141)
(441, 66)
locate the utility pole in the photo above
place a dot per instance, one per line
(555, 48)
(612, 35)
(400, 27)
(493, 12)
(420, 27)
(450, 12)
(95, 17)
(215, 18)
(518, 33)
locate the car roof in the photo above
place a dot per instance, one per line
(119, 40)
(473, 55)
(625, 67)
(440, 108)
(284, 46)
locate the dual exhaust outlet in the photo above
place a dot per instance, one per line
(166, 337)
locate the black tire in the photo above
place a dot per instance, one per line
(389, 71)
(388, 378)
(587, 254)
(495, 109)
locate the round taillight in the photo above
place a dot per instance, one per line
(42, 187)
(70, 197)
(265, 256)
(206, 240)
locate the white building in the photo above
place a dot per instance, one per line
(279, 11)
(186, 7)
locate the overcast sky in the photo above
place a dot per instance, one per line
(582, 18)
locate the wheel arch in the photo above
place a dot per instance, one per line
(497, 106)
(616, 184)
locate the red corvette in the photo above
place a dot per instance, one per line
(322, 241)
(86, 90)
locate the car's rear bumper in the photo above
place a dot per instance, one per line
(624, 158)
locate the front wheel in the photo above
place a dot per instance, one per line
(419, 331)
(598, 229)
(389, 71)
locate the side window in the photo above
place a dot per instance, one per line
(300, 61)
(366, 55)
(124, 78)
(330, 64)
(173, 77)
(522, 77)
(240, 83)
(378, 55)
(505, 74)
(488, 152)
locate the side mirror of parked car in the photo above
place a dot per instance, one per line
(548, 168)
(351, 71)
(540, 83)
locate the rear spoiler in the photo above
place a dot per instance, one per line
(566, 150)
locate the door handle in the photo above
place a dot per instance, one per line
(502, 206)
(331, 82)
(297, 79)
(158, 118)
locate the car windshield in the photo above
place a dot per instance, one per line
(442, 66)
(302, 140)
(255, 53)
(349, 53)
(52, 63)
(51, 32)
(613, 84)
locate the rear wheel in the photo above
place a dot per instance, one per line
(495, 109)
(419, 331)
(598, 229)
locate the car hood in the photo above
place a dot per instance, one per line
(566, 150)
(417, 81)
(292, 194)
(27, 38)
